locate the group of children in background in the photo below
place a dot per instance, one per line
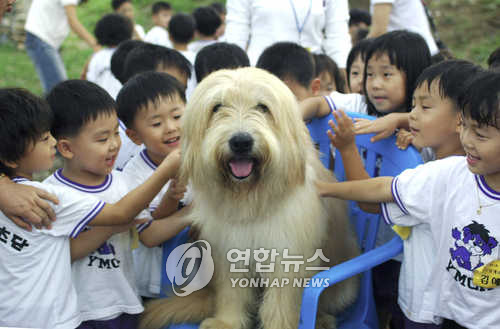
(119, 135)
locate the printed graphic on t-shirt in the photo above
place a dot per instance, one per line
(16, 242)
(473, 248)
(104, 257)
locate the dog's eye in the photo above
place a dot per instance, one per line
(263, 107)
(216, 107)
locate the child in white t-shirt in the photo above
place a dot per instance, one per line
(110, 31)
(38, 290)
(182, 27)
(457, 198)
(86, 127)
(435, 121)
(207, 24)
(161, 14)
(126, 8)
(153, 119)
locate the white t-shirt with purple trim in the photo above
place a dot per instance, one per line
(348, 102)
(104, 279)
(35, 271)
(445, 195)
(147, 261)
(128, 149)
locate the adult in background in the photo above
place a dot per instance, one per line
(390, 15)
(318, 25)
(47, 26)
(5, 6)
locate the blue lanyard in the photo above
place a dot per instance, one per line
(297, 24)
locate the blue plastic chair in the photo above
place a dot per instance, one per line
(382, 158)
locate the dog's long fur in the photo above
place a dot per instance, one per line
(276, 207)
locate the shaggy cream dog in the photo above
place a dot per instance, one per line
(252, 166)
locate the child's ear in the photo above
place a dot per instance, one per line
(64, 148)
(134, 136)
(315, 86)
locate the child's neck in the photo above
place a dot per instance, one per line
(206, 37)
(180, 46)
(156, 158)
(81, 176)
(493, 181)
(19, 173)
(449, 150)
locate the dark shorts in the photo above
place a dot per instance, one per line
(124, 321)
(385, 291)
(415, 325)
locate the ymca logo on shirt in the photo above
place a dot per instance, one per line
(473, 248)
(104, 257)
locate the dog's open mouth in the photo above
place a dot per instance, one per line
(241, 168)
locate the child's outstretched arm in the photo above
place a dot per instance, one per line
(164, 229)
(383, 127)
(343, 138)
(125, 210)
(373, 190)
(88, 241)
(170, 201)
(314, 107)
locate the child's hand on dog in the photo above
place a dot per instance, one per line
(172, 162)
(176, 190)
(324, 188)
(341, 134)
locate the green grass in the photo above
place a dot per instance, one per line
(470, 28)
(16, 69)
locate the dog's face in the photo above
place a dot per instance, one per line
(242, 127)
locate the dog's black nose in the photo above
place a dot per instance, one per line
(241, 143)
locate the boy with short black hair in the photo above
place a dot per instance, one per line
(220, 8)
(37, 263)
(157, 58)
(182, 27)
(151, 105)
(149, 57)
(86, 128)
(161, 13)
(359, 20)
(294, 65)
(110, 31)
(207, 23)
(220, 55)
(126, 8)
(120, 56)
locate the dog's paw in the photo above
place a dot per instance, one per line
(213, 323)
(326, 321)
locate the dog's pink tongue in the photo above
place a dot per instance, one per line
(241, 168)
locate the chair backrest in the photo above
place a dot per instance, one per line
(382, 158)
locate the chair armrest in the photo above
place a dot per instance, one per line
(345, 270)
